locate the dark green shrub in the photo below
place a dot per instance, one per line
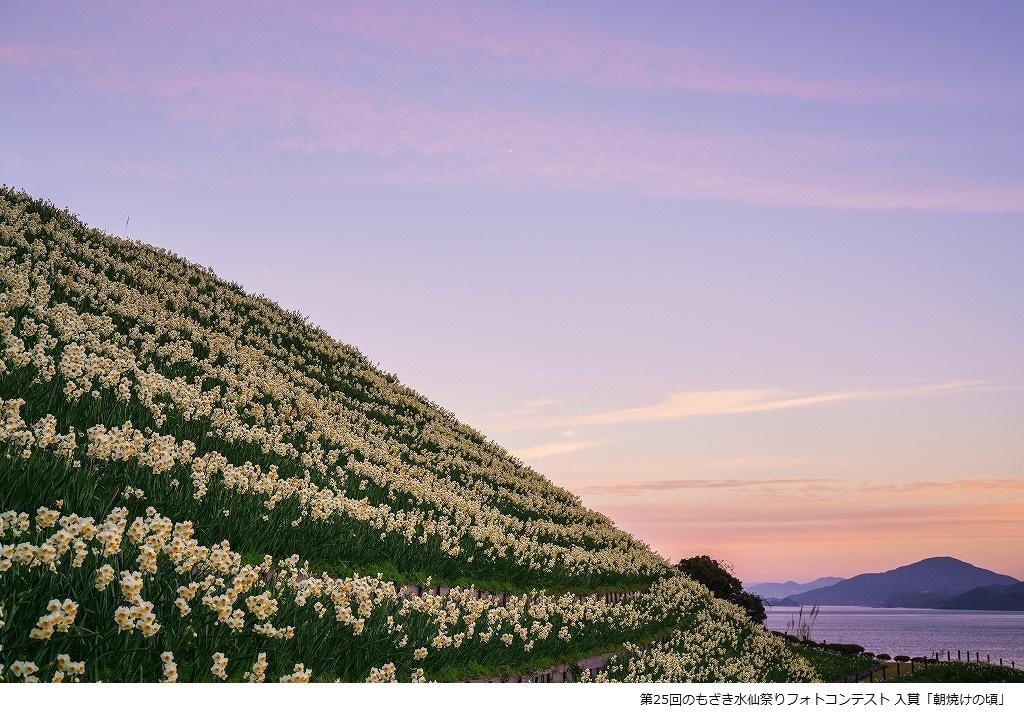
(718, 577)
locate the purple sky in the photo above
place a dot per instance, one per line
(747, 277)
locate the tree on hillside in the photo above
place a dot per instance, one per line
(719, 578)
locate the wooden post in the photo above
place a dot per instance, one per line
(947, 656)
(958, 656)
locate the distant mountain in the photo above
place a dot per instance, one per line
(923, 584)
(781, 590)
(988, 598)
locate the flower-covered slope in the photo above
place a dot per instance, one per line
(140, 359)
(172, 448)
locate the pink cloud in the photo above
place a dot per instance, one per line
(806, 489)
(737, 401)
(436, 142)
(542, 48)
(643, 486)
(20, 54)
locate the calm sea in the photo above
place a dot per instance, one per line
(915, 631)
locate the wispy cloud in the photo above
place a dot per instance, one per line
(689, 404)
(972, 485)
(413, 138)
(827, 487)
(516, 42)
(23, 54)
(558, 447)
(694, 484)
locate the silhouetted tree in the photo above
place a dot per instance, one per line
(719, 578)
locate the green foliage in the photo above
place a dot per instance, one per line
(723, 584)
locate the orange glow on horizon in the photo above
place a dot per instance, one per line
(800, 532)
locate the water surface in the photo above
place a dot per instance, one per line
(915, 631)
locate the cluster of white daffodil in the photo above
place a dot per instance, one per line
(169, 554)
(720, 645)
(280, 599)
(113, 319)
(64, 670)
(59, 618)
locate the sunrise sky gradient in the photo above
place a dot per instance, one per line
(747, 277)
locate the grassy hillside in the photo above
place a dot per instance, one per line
(191, 469)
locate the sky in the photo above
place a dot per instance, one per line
(745, 276)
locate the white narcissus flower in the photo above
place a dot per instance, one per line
(220, 665)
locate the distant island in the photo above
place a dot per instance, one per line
(771, 591)
(940, 582)
(988, 598)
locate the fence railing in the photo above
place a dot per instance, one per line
(1004, 662)
(868, 674)
(891, 668)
